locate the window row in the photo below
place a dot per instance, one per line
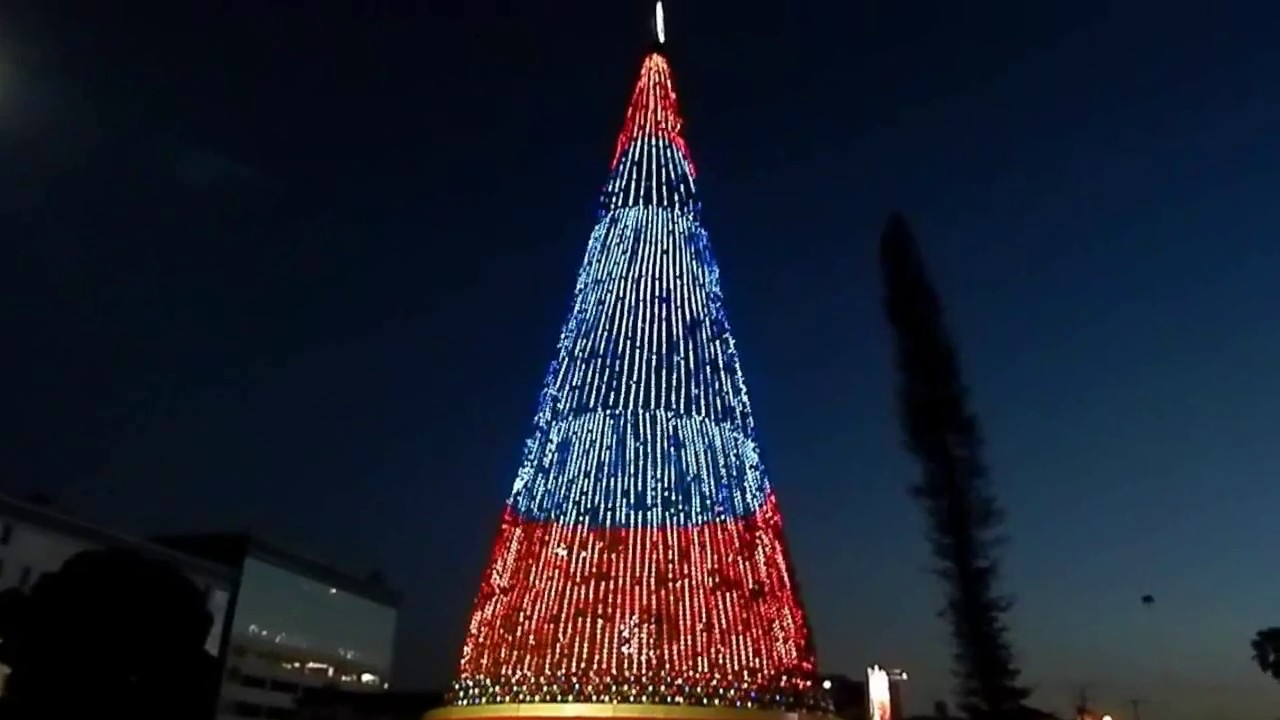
(254, 710)
(261, 683)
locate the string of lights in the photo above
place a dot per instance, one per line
(641, 556)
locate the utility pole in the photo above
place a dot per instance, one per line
(1137, 708)
(1082, 703)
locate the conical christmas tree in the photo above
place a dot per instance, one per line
(641, 558)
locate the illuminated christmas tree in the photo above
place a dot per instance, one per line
(641, 560)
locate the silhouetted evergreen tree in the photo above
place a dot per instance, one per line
(964, 517)
(1266, 651)
(110, 634)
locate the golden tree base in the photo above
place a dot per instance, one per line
(609, 711)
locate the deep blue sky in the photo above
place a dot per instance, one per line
(300, 269)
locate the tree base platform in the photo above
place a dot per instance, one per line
(612, 711)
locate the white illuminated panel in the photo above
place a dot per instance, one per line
(878, 693)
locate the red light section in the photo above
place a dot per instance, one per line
(698, 615)
(653, 111)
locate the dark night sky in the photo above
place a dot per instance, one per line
(292, 267)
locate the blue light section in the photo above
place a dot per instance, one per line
(644, 419)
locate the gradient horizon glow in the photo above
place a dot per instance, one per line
(641, 556)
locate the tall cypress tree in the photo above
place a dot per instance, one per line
(1266, 651)
(964, 517)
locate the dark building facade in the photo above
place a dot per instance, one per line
(848, 696)
(337, 704)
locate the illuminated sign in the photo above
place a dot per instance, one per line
(878, 693)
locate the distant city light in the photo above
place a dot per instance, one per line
(878, 693)
(826, 684)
